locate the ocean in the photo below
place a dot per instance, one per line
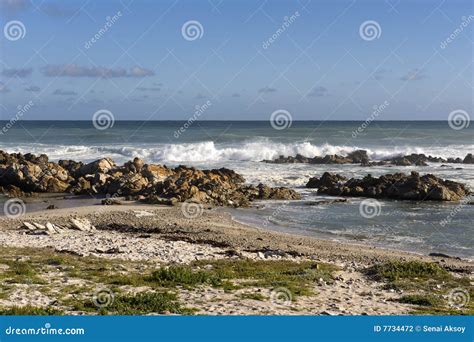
(421, 227)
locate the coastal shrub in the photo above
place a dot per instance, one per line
(397, 270)
(146, 303)
(21, 272)
(422, 300)
(253, 296)
(182, 275)
(29, 310)
(298, 278)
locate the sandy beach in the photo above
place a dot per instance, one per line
(131, 240)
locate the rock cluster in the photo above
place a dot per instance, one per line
(49, 228)
(395, 186)
(361, 157)
(21, 174)
(356, 157)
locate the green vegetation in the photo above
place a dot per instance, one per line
(145, 303)
(298, 278)
(182, 276)
(423, 300)
(427, 285)
(29, 310)
(398, 270)
(253, 296)
(46, 269)
(20, 272)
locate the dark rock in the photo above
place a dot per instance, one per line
(396, 186)
(111, 201)
(469, 159)
(327, 180)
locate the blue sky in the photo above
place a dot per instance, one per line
(318, 67)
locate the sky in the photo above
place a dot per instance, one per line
(160, 60)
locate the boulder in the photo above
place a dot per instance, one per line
(396, 186)
(103, 165)
(469, 159)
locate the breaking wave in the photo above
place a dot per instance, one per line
(209, 151)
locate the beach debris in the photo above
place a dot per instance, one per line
(82, 224)
(143, 213)
(36, 228)
(39, 226)
(29, 226)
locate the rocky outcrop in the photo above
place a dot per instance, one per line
(395, 186)
(469, 159)
(20, 174)
(361, 157)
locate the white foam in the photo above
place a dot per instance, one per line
(208, 151)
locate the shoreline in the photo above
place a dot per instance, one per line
(220, 226)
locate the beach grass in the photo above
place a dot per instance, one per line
(29, 310)
(142, 287)
(425, 285)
